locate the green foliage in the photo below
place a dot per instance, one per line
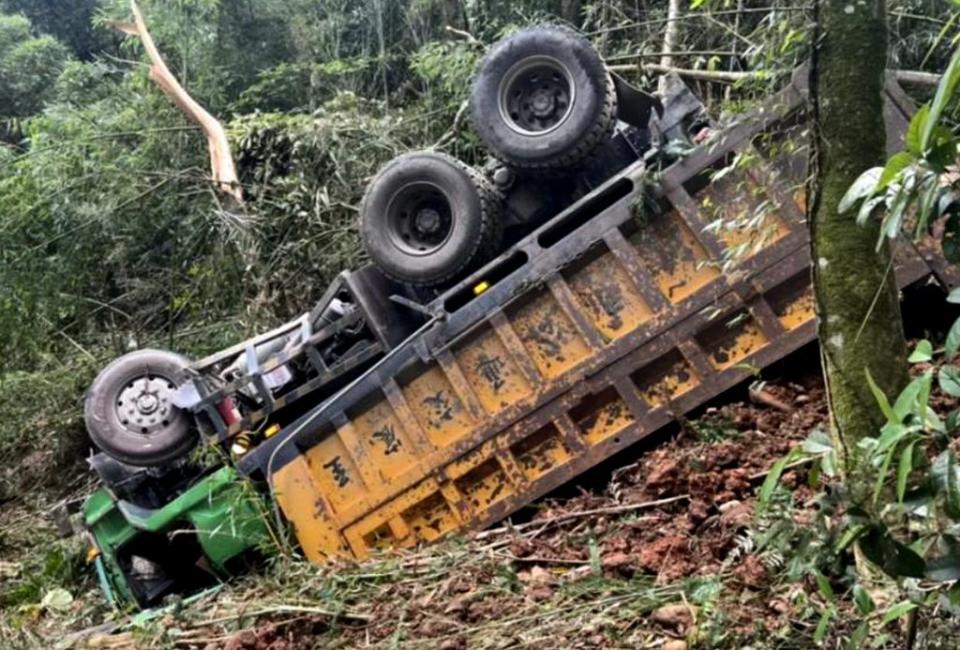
(105, 220)
(914, 186)
(110, 224)
(51, 575)
(69, 21)
(41, 423)
(910, 527)
(300, 173)
(713, 428)
(28, 67)
(446, 66)
(908, 523)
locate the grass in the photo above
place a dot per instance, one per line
(713, 428)
(42, 436)
(541, 584)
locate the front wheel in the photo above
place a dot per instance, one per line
(427, 219)
(129, 409)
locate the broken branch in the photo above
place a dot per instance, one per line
(551, 521)
(222, 167)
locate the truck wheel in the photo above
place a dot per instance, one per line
(542, 99)
(427, 218)
(129, 410)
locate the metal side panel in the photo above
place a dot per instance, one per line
(590, 420)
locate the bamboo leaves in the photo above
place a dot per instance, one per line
(918, 179)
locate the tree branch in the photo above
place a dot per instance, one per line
(914, 77)
(470, 38)
(222, 167)
(670, 36)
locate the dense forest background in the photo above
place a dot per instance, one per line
(111, 236)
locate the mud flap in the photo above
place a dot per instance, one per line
(634, 106)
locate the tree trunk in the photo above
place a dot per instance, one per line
(670, 37)
(860, 327)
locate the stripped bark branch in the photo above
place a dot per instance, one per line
(222, 167)
(670, 36)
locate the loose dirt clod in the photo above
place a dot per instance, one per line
(678, 616)
(696, 536)
(675, 644)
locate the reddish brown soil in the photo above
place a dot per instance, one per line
(710, 488)
(694, 535)
(295, 635)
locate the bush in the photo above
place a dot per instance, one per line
(42, 436)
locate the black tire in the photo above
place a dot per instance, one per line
(426, 219)
(542, 99)
(129, 414)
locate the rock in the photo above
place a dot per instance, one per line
(539, 594)
(537, 577)
(704, 485)
(654, 555)
(722, 454)
(779, 605)
(724, 507)
(538, 583)
(677, 615)
(521, 548)
(751, 571)
(10, 569)
(577, 574)
(663, 477)
(245, 639)
(737, 480)
(698, 511)
(456, 605)
(736, 514)
(616, 560)
(433, 627)
(674, 644)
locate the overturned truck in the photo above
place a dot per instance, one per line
(617, 263)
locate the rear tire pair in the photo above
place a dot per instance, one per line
(542, 102)
(426, 218)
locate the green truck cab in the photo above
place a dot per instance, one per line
(142, 554)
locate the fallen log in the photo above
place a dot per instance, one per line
(913, 77)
